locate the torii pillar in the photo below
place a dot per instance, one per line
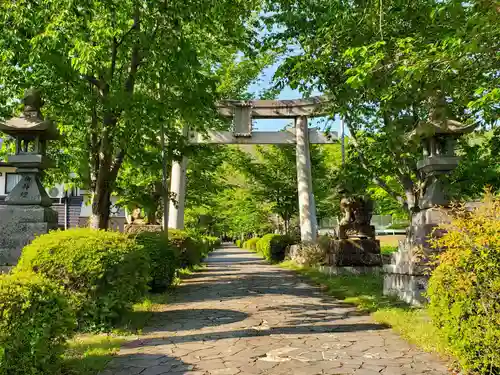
(178, 181)
(307, 206)
(242, 113)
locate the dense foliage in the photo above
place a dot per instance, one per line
(252, 190)
(104, 273)
(273, 246)
(35, 321)
(164, 259)
(114, 73)
(251, 244)
(189, 251)
(387, 66)
(464, 290)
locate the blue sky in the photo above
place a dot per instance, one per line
(264, 82)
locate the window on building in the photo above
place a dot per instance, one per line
(11, 180)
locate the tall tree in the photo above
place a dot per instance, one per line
(112, 71)
(383, 64)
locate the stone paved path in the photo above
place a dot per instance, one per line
(243, 316)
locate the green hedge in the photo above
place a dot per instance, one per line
(35, 321)
(273, 246)
(213, 242)
(464, 290)
(180, 249)
(239, 243)
(191, 249)
(164, 259)
(398, 226)
(251, 244)
(84, 278)
(103, 272)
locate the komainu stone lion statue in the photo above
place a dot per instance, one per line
(357, 213)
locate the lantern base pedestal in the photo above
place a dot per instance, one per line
(29, 191)
(19, 225)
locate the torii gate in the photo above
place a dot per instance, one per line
(242, 113)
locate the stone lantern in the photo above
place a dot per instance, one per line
(27, 211)
(407, 275)
(31, 133)
(438, 139)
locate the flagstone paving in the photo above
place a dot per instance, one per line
(243, 316)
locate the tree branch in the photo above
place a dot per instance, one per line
(377, 180)
(115, 166)
(94, 81)
(94, 145)
(114, 49)
(114, 54)
(124, 36)
(401, 174)
(135, 58)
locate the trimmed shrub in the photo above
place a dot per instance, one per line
(207, 244)
(214, 242)
(239, 243)
(398, 226)
(164, 259)
(104, 273)
(35, 322)
(251, 244)
(464, 289)
(273, 246)
(308, 254)
(191, 249)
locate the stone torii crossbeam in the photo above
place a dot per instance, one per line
(242, 113)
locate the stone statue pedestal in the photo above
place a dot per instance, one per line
(140, 228)
(19, 225)
(408, 274)
(354, 252)
(362, 230)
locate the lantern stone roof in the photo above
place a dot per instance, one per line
(31, 120)
(432, 127)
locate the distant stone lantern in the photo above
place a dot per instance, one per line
(31, 133)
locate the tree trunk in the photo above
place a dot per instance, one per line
(103, 188)
(152, 217)
(101, 202)
(286, 222)
(411, 194)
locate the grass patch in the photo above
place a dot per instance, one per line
(388, 249)
(136, 320)
(88, 354)
(390, 240)
(190, 270)
(366, 292)
(414, 325)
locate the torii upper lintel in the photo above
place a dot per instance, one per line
(268, 109)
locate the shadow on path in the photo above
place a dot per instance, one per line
(155, 362)
(242, 316)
